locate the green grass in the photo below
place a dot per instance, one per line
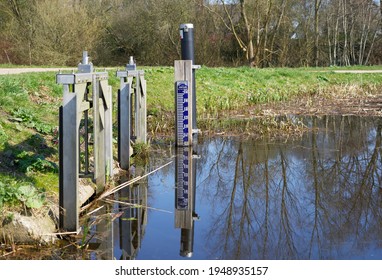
(29, 119)
(29, 110)
(222, 89)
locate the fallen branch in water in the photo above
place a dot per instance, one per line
(95, 210)
(135, 205)
(121, 186)
(132, 181)
(12, 252)
(63, 233)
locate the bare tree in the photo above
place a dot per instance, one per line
(41, 35)
(259, 33)
(317, 4)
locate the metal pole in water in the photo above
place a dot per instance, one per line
(188, 53)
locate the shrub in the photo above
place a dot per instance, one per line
(12, 193)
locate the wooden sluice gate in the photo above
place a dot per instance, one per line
(86, 131)
(132, 112)
(85, 136)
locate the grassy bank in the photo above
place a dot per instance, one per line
(244, 92)
(29, 114)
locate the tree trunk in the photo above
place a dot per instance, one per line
(345, 55)
(250, 49)
(264, 46)
(275, 32)
(317, 4)
(329, 42)
(336, 35)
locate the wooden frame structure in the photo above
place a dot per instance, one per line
(85, 137)
(132, 112)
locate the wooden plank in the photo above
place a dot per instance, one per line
(101, 113)
(105, 91)
(84, 106)
(140, 109)
(95, 99)
(109, 132)
(80, 90)
(137, 106)
(99, 139)
(130, 80)
(65, 79)
(142, 123)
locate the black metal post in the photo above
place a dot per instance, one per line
(188, 53)
(187, 242)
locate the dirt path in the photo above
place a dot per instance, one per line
(9, 71)
(358, 71)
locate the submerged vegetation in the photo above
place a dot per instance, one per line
(244, 101)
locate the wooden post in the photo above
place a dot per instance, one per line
(141, 111)
(183, 102)
(137, 98)
(124, 125)
(99, 137)
(69, 169)
(109, 130)
(132, 112)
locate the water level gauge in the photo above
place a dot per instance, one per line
(183, 127)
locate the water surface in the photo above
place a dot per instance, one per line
(316, 197)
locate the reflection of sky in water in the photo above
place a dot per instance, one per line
(249, 210)
(161, 240)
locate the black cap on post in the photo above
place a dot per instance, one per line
(187, 41)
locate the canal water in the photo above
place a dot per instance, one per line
(318, 196)
(315, 197)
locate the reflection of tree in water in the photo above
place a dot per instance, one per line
(234, 219)
(318, 198)
(349, 201)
